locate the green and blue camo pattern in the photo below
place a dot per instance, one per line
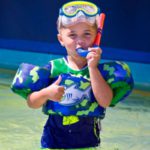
(30, 78)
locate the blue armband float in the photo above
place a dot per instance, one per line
(30, 78)
(117, 74)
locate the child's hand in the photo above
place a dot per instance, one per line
(94, 56)
(55, 92)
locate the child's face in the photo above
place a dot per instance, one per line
(78, 35)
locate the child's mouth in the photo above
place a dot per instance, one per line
(82, 52)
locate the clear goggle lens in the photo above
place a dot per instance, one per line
(80, 17)
(72, 8)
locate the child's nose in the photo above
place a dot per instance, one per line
(80, 42)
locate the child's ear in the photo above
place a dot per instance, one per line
(59, 37)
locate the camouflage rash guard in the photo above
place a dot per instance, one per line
(78, 99)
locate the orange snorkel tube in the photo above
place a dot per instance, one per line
(82, 52)
(99, 30)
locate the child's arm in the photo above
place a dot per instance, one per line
(53, 92)
(102, 92)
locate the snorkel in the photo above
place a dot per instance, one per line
(82, 11)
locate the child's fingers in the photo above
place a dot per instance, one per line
(97, 50)
(59, 94)
(58, 80)
(61, 90)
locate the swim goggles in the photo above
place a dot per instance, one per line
(78, 11)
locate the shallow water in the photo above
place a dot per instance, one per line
(125, 127)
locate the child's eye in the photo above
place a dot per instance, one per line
(87, 34)
(72, 35)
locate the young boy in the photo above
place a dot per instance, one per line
(75, 32)
(76, 101)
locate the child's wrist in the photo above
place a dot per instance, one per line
(93, 68)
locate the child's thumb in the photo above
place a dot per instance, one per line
(58, 80)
